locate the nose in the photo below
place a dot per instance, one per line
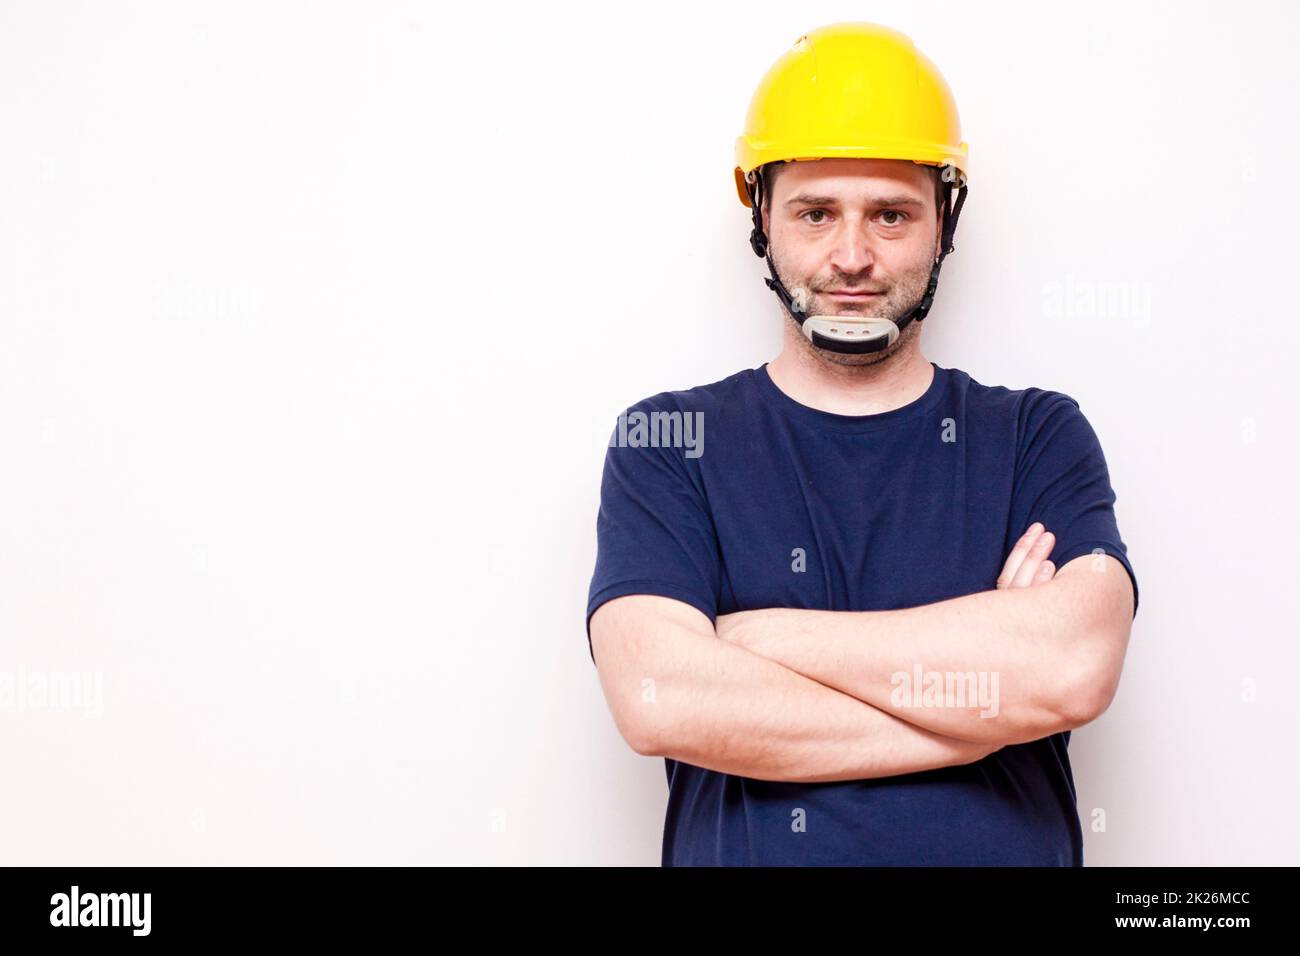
(852, 252)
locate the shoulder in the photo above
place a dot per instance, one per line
(673, 423)
(713, 397)
(1031, 409)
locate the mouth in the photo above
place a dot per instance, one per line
(854, 296)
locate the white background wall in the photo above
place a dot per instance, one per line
(315, 319)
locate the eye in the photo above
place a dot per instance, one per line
(820, 212)
(894, 212)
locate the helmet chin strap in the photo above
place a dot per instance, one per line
(852, 334)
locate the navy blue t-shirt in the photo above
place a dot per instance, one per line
(911, 506)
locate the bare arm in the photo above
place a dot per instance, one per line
(1003, 666)
(677, 691)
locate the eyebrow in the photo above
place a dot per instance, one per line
(808, 199)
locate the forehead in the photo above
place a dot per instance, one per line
(852, 178)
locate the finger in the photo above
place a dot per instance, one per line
(1036, 556)
(1046, 571)
(1018, 553)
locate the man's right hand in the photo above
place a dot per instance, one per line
(1027, 563)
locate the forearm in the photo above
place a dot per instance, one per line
(997, 666)
(724, 708)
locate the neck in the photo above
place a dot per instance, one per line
(803, 373)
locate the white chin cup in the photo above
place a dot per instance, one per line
(850, 329)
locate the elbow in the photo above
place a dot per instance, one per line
(649, 728)
(1090, 686)
(644, 741)
(1080, 706)
(638, 713)
(636, 724)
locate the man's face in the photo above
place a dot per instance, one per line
(869, 226)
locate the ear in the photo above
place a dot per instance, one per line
(938, 238)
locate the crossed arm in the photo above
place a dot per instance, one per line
(1003, 666)
(805, 696)
(677, 691)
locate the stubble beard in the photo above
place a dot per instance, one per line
(900, 298)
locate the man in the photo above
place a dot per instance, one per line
(856, 600)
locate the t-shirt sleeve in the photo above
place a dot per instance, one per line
(1063, 481)
(654, 531)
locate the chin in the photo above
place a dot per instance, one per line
(855, 312)
(863, 311)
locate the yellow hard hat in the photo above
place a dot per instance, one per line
(851, 89)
